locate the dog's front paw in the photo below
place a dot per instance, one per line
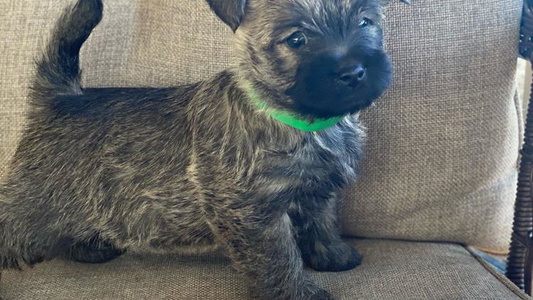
(303, 291)
(321, 295)
(333, 258)
(310, 291)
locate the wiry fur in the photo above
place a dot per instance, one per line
(101, 171)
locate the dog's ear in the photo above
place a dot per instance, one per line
(229, 11)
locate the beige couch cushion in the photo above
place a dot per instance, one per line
(443, 143)
(390, 271)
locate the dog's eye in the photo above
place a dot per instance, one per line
(365, 22)
(296, 40)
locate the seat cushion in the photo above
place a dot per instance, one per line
(390, 270)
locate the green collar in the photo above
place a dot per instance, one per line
(292, 119)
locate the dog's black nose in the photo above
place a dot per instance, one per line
(352, 75)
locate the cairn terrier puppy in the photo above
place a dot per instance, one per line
(250, 161)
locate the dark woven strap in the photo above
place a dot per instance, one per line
(520, 261)
(526, 31)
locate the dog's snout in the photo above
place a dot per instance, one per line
(352, 75)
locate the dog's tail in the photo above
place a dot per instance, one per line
(58, 69)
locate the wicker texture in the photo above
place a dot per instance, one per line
(442, 153)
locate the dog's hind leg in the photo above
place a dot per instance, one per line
(27, 235)
(7, 257)
(93, 251)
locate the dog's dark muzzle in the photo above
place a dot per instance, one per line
(337, 82)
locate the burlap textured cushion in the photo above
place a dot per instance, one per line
(391, 271)
(443, 143)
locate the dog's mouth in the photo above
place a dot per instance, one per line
(346, 106)
(326, 103)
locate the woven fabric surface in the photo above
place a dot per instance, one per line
(390, 271)
(443, 143)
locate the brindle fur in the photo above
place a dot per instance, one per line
(192, 168)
